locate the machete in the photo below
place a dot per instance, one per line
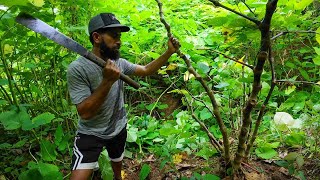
(41, 27)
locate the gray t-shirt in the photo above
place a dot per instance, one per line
(83, 77)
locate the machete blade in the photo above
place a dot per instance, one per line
(44, 29)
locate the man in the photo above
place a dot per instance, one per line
(98, 94)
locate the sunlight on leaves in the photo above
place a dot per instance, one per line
(7, 49)
(38, 3)
(266, 152)
(238, 65)
(290, 89)
(318, 35)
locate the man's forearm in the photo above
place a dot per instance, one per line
(154, 65)
(90, 106)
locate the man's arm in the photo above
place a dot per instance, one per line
(91, 105)
(153, 66)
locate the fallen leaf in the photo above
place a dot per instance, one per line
(177, 158)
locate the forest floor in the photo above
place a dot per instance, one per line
(253, 170)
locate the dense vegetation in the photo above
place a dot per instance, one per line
(171, 117)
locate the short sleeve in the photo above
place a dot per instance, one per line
(78, 85)
(128, 68)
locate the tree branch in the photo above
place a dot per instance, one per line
(263, 107)
(264, 28)
(297, 82)
(228, 57)
(213, 140)
(287, 32)
(216, 3)
(210, 93)
(244, 2)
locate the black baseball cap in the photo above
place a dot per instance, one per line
(105, 20)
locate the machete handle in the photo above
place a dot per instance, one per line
(100, 62)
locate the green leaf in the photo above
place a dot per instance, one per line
(145, 170)
(5, 146)
(105, 165)
(15, 2)
(63, 144)
(266, 152)
(291, 156)
(210, 177)
(48, 150)
(222, 85)
(300, 161)
(316, 60)
(41, 171)
(204, 67)
(38, 3)
(284, 164)
(205, 114)
(132, 135)
(301, 175)
(206, 153)
(58, 135)
(167, 131)
(12, 119)
(304, 74)
(19, 144)
(290, 89)
(295, 139)
(4, 82)
(318, 35)
(42, 119)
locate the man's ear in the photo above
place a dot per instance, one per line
(96, 37)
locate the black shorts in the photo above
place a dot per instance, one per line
(87, 149)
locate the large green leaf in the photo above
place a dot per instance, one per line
(15, 2)
(58, 135)
(48, 150)
(13, 119)
(266, 152)
(318, 35)
(145, 170)
(41, 171)
(42, 119)
(105, 165)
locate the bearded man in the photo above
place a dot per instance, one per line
(98, 95)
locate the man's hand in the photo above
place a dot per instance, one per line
(173, 45)
(111, 72)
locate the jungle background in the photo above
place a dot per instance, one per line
(165, 136)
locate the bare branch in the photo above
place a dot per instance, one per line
(213, 140)
(263, 107)
(228, 57)
(210, 93)
(297, 82)
(287, 32)
(216, 3)
(244, 2)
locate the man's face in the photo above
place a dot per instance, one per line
(110, 44)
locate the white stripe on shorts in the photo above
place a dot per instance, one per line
(78, 154)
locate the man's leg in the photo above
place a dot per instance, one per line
(115, 148)
(86, 151)
(117, 167)
(81, 174)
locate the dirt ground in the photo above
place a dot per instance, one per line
(254, 170)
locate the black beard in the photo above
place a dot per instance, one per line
(108, 53)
